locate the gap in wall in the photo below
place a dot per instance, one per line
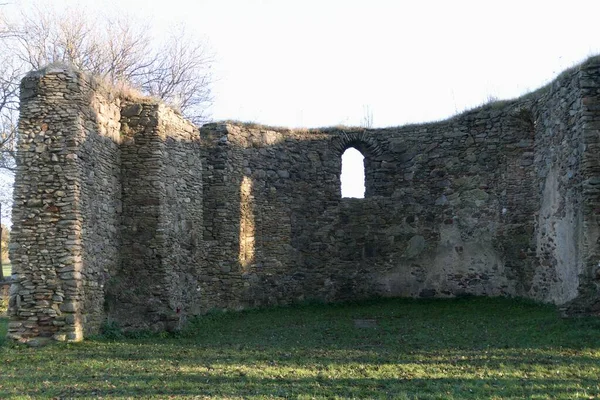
(353, 174)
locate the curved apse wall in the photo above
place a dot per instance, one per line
(125, 211)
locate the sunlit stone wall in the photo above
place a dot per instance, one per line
(66, 200)
(498, 201)
(125, 213)
(108, 211)
(431, 224)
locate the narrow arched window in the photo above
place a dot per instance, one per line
(353, 174)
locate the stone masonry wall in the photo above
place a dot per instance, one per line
(138, 278)
(156, 284)
(126, 213)
(559, 148)
(67, 191)
(567, 167)
(431, 223)
(587, 299)
(105, 215)
(497, 201)
(588, 296)
(182, 217)
(98, 157)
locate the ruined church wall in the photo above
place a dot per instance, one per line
(431, 224)
(125, 212)
(67, 192)
(568, 166)
(559, 151)
(588, 300)
(138, 278)
(156, 283)
(98, 156)
(108, 211)
(182, 217)
(222, 279)
(501, 200)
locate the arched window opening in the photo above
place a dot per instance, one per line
(353, 174)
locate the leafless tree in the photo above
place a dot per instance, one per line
(119, 49)
(5, 208)
(175, 78)
(9, 105)
(116, 48)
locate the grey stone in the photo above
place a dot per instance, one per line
(38, 342)
(132, 110)
(415, 246)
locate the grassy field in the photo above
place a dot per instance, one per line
(461, 349)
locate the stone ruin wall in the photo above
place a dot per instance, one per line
(162, 219)
(104, 189)
(567, 165)
(66, 203)
(126, 213)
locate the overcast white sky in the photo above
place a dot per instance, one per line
(325, 62)
(321, 62)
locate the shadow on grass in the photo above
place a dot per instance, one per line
(472, 348)
(226, 387)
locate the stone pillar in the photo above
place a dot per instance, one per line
(588, 300)
(223, 178)
(46, 242)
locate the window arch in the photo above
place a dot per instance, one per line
(352, 178)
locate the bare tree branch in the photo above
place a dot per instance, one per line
(118, 49)
(182, 76)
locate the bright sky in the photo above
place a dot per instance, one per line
(323, 62)
(311, 63)
(353, 174)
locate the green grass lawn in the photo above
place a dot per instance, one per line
(460, 349)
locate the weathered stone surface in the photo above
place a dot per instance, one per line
(125, 211)
(416, 245)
